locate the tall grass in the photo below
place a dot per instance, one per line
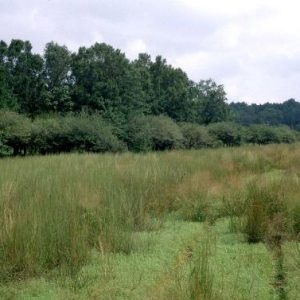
(55, 209)
(201, 277)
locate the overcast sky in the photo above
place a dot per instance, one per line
(252, 47)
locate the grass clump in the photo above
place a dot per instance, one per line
(265, 213)
(201, 277)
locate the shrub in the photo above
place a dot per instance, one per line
(4, 150)
(90, 133)
(196, 136)
(79, 133)
(165, 133)
(287, 135)
(153, 133)
(226, 132)
(45, 135)
(14, 131)
(261, 134)
(139, 136)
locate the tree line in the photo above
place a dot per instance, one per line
(286, 113)
(97, 100)
(101, 79)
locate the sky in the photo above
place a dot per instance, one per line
(251, 47)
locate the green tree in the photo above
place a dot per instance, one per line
(7, 99)
(25, 76)
(105, 81)
(171, 90)
(291, 113)
(57, 72)
(143, 66)
(208, 102)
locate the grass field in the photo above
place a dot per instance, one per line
(208, 224)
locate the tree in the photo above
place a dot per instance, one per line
(57, 72)
(25, 76)
(143, 66)
(171, 90)
(287, 113)
(106, 82)
(270, 115)
(7, 99)
(208, 102)
(291, 113)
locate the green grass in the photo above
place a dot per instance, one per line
(161, 269)
(172, 225)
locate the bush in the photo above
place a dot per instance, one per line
(287, 135)
(196, 136)
(79, 133)
(165, 133)
(15, 130)
(228, 133)
(45, 135)
(139, 136)
(90, 133)
(4, 150)
(261, 134)
(153, 133)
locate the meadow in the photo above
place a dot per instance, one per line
(186, 224)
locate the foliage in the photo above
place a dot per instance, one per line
(228, 133)
(265, 134)
(57, 78)
(165, 133)
(208, 101)
(139, 134)
(15, 131)
(153, 133)
(196, 136)
(24, 76)
(128, 104)
(286, 113)
(100, 79)
(105, 81)
(74, 133)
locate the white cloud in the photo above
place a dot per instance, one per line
(135, 47)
